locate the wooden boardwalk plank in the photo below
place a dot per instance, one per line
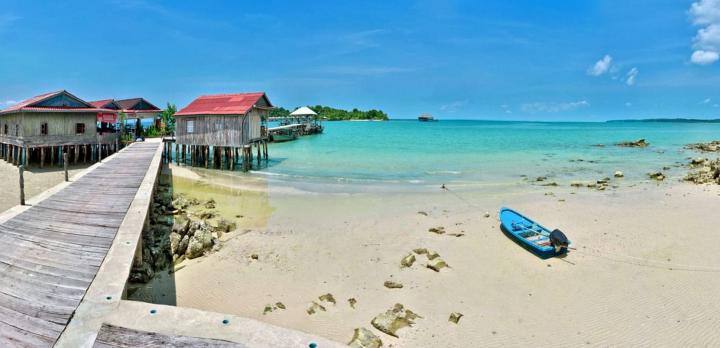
(53, 250)
(116, 336)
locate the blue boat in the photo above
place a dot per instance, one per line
(531, 235)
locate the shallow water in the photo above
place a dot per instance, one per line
(406, 154)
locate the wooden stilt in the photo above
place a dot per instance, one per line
(258, 154)
(42, 157)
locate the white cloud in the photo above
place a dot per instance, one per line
(701, 57)
(601, 66)
(707, 101)
(708, 38)
(631, 75)
(706, 44)
(628, 104)
(506, 108)
(553, 106)
(705, 12)
(9, 102)
(454, 106)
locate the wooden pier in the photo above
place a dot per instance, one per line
(66, 258)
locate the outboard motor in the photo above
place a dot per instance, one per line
(559, 241)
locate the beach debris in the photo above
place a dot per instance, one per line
(598, 145)
(437, 230)
(619, 174)
(704, 172)
(431, 254)
(552, 183)
(327, 298)
(456, 234)
(637, 143)
(254, 256)
(420, 251)
(407, 261)
(713, 146)
(541, 178)
(394, 319)
(352, 302)
(455, 317)
(393, 285)
(422, 213)
(364, 338)
(576, 184)
(486, 215)
(268, 309)
(443, 187)
(314, 308)
(280, 305)
(436, 264)
(657, 176)
(210, 204)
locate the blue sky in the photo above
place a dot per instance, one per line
(505, 60)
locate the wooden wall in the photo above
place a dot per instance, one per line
(61, 128)
(219, 130)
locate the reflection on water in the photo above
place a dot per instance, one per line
(249, 208)
(241, 200)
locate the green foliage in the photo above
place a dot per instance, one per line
(152, 132)
(333, 114)
(168, 117)
(279, 112)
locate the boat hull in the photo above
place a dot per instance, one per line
(528, 234)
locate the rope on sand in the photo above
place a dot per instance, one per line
(639, 261)
(627, 259)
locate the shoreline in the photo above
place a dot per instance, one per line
(348, 244)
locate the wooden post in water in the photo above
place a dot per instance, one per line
(206, 152)
(65, 166)
(258, 154)
(21, 169)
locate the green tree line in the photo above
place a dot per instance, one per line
(333, 114)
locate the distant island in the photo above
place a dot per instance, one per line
(670, 120)
(333, 114)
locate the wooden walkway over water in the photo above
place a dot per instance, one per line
(52, 251)
(65, 260)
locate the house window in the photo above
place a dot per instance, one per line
(44, 129)
(79, 128)
(190, 126)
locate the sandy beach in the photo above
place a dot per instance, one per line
(644, 272)
(36, 181)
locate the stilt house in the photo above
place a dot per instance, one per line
(43, 127)
(223, 124)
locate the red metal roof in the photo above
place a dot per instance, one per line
(130, 104)
(27, 105)
(100, 103)
(223, 104)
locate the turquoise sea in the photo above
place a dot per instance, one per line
(482, 153)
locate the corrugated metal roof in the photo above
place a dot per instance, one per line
(100, 103)
(223, 104)
(28, 105)
(130, 104)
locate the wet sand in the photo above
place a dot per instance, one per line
(36, 181)
(645, 272)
